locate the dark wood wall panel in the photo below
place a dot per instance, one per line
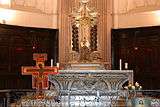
(140, 47)
(17, 44)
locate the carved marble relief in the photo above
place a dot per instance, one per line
(102, 80)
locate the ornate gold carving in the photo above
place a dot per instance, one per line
(84, 33)
(84, 19)
(104, 25)
(85, 54)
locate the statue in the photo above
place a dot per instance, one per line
(84, 51)
(84, 33)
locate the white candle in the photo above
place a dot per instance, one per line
(120, 64)
(51, 62)
(58, 65)
(126, 65)
(97, 93)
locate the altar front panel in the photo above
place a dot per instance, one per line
(101, 80)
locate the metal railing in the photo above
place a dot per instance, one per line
(79, 98)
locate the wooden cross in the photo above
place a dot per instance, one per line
(39, 72)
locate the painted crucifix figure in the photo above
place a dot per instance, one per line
(39, 72)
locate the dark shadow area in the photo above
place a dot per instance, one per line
(140, 48)
(17, 45)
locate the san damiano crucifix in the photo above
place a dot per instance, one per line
(39, 72)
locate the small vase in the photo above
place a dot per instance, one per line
(141, 102)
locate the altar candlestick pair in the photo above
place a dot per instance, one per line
(120, 65)
(52, 63)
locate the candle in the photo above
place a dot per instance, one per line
(51, 62)
(120, 64)
(126, 65)
(58, 65)
(97, 93)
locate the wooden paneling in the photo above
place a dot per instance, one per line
(17, 44)
(140, 47)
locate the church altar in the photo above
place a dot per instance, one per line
(85, 68)
(90, 87)
(102, 80)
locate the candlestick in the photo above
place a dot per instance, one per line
(58, 65)
(126, 65)
(51, 62)
(97, 93)
(120, 64)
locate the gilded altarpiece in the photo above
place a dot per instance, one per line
(104, 9)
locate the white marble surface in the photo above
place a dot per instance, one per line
(91, 79)
(96, 71)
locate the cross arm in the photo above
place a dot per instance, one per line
(29, 70)
(50, 70)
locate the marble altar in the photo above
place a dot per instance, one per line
(84, 87)
(102, 80)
